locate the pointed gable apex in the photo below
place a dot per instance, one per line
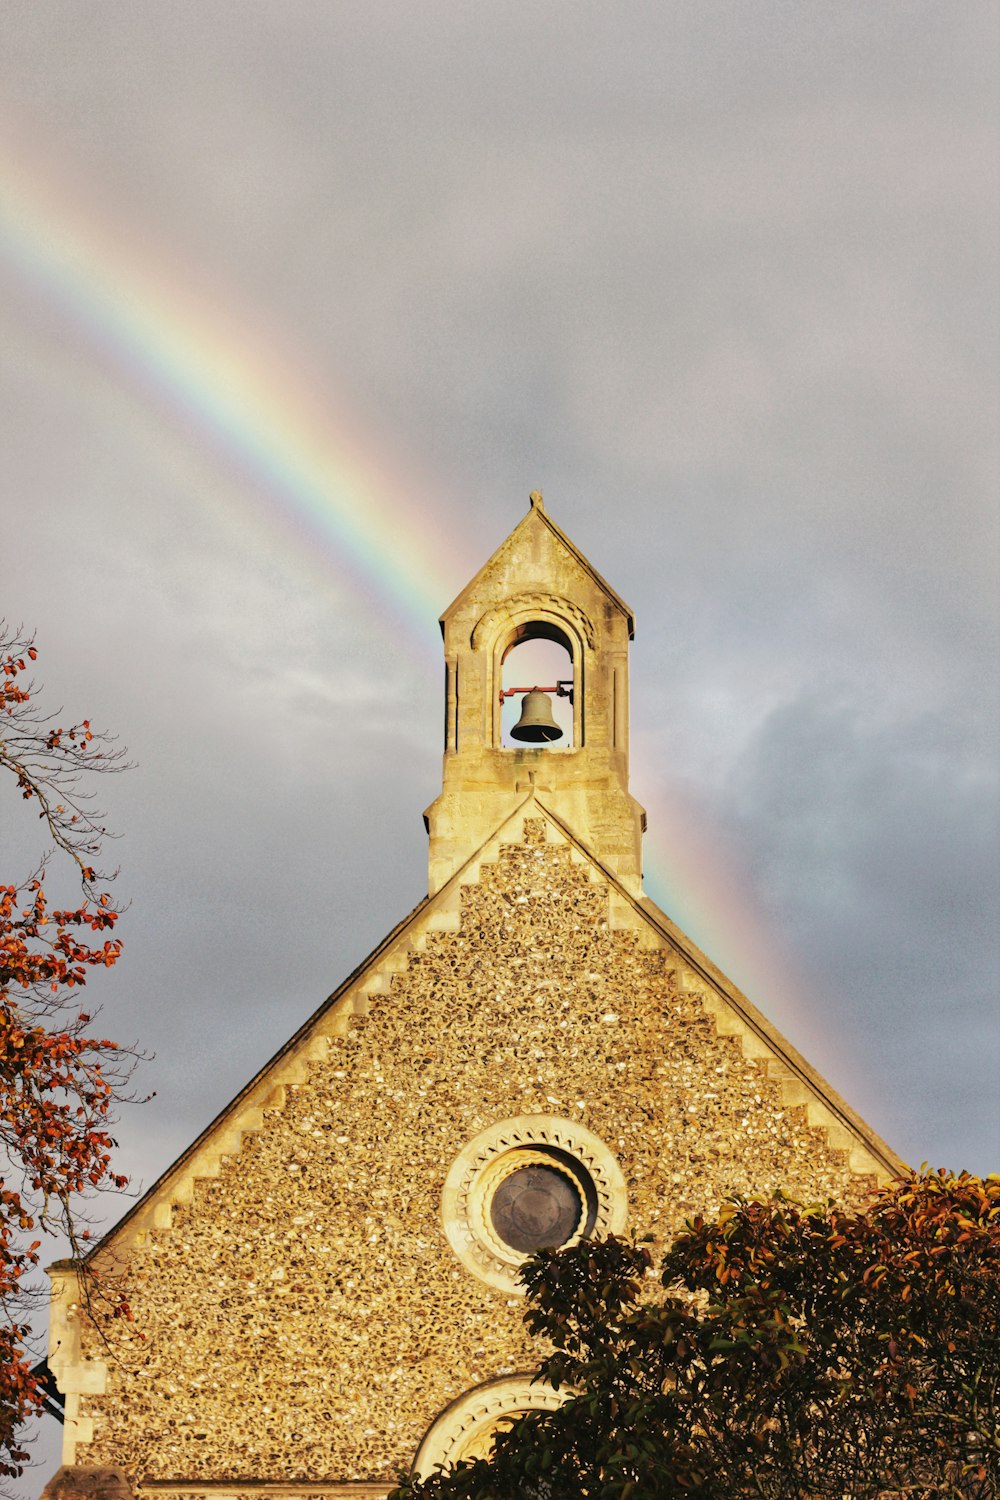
(520, 541)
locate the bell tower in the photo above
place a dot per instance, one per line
(327, 1280)
(537, 587)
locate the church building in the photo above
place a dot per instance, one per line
(325, 1284)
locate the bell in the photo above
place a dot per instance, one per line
(536, 724)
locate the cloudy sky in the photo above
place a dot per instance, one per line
(299, 301)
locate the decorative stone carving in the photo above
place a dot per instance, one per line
(466, 1429)
(522, 606)
(504, 1148)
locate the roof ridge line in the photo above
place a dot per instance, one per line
(423, 907)
(297, 1037)
(782, 1050)
(584, 562)
(779, 1045)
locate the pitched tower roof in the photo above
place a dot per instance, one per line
(523, 540)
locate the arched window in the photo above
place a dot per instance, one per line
(538, 655)
(465, 1430)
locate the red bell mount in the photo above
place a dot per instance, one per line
(562, 689)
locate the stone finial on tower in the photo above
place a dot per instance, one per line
(537, 591)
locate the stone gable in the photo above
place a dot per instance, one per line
(304, 1313)
(325, 1284)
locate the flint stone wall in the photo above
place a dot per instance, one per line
(305, 1318)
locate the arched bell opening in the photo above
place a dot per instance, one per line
(538, 657)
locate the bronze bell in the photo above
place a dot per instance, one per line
(536, 724)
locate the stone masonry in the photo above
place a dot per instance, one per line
(304, 1314)
(313, 1309)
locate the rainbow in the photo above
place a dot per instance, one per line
(214, 374)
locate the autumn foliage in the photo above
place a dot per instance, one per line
(788, 1351)
(58, 1081)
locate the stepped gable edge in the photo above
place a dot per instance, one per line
(731, 1011)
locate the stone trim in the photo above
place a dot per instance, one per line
(290, 1064)
(735, 1015)
(485, 1161)
(528, 606)
(464, 1430)
(75, 1376)
(494, 636)
(70, 1483)
(538, 514)
(250, 1489)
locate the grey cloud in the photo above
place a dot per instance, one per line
(868, 844)
(720, 280)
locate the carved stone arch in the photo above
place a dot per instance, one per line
(465, 1429)
(524, 606)
(549, 615)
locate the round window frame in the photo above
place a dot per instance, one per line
(502, 1148)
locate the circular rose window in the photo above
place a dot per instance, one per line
(527, 1184)
(541, 1202)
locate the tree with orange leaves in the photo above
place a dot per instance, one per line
(790, 1352)
(59, 1081)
